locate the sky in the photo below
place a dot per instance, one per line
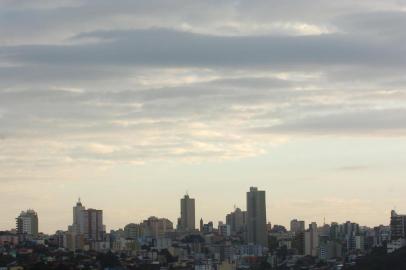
(131, 104)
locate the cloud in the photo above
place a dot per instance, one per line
(166, 48)
(132, 82)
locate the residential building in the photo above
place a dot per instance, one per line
(27, 223)
(187, 214)
(311, 239)
(256, 217)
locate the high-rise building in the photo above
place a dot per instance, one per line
(27, 223)
(256, 217)
(93, 224)
(78, 224)
(397, 226)
(237, 221)
(187, 214)
(297, 226)
(311, 240)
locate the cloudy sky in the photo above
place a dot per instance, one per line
(129, 104)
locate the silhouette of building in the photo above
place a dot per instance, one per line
(93, 224)
(187, 214)
(256, 217)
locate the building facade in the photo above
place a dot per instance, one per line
(256, 217)
(27, 223)
(187, 214)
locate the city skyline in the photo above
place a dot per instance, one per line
(128, 104)
(78, 228)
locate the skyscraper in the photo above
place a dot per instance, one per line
(93, 224)
(78, 224)
(187, 213)
(27, 223)
(256, 217)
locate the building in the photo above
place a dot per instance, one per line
(208, 228)
(256, 217)
(187, 214)
(8, 238)
(73, 241)
(156, 227)
(311, 240)
(224, 230)
(93, 224)
(397, 226)
(297, 226)
(132, 231)
(237, 221)
(27, 223)
(78, 223)
(201, 225)
(394, 245)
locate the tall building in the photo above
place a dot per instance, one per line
(93, 224)
(397, 226)
(237, 220)
(256, 217)
(78, 224)
(311, 240)
(187, 214)
(27, 223)
(297, 226)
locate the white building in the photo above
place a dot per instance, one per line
(224, 230)
(27, 223)
(78, 221)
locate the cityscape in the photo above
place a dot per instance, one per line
(202, 135)
(245, 240)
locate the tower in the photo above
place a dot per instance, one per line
(187, 213)
(256, 217)
(78, 221)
